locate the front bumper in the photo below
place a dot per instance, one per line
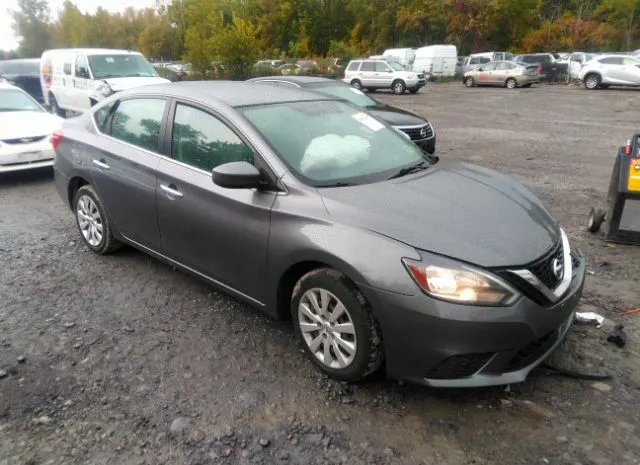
(26, 156)
(441, 344)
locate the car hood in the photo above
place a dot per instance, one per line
(396, 116)
(124, 83)
(22, 124)
(454, 209)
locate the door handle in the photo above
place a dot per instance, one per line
(101, 164)
(172, 190)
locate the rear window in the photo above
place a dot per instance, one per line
(24, 68)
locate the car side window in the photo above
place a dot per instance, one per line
(382, 67)
(138, 122)
(489, 66)
(368, 66)
(102, 115)
(66, 68)
(203, 141)
(484, 60)
(502, 66)
(611, 61)
(474, 61)
(353, 66)
(82, 67)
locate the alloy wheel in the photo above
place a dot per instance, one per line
(90, 221)
(469, 82)
(327, 328)
(592, 82)
(357, 84)
(511, 84)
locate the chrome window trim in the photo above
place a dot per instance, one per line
(552, 294)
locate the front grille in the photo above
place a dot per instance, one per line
(543, 269)
(24, 140)
(532, 352)
(459, 366)
(420, 76)
(416, 133)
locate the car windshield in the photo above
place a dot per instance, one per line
(394, 65)
(334, 143)
(344, 92)
(115, 66)
(16, 100)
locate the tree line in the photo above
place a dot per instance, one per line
(240, 31)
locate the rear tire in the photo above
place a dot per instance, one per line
(469, 82)
(352, 336)
(356, 84)
(511, 83)
(93, 224)
(398, 87)
(592, 81)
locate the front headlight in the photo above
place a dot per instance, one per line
(103, 89)
(458, 282)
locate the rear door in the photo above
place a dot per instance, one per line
(220, 233)
(367, 73)
(631, 70)
(124, 163)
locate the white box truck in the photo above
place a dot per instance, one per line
(436, 60)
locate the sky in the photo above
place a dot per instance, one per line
(8, 41)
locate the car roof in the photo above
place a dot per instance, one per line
(233, 93)
(21, 60)
(302, 80)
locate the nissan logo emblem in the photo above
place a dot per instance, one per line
(423, 133)
(558, 268)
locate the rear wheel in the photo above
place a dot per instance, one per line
(469, 82)
(398, 87)
(592, 81)
(93, 224)
(335, 324)
(357, 84)
(511, 83)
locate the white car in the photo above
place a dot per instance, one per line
(382, 74)
(25, 131)
(610, 70)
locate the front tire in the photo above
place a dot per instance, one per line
(592, 81)
(511, 83)
(357, 84)
(335, 324)
(398, 87)
(469, 82)
(94, 226)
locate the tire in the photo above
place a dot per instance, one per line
(511, 83)
(366, 341)
(596, 218)
(592, 81)
(357, 84)
(96, 231)
(398, 87)
(469, 82)
(414, 90)
(55, 109)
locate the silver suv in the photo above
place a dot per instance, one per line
(383, 74)
(610, 70)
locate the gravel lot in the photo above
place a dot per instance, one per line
(123, 360)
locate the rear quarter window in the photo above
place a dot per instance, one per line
(353, 66)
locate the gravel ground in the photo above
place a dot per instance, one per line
(123, 360)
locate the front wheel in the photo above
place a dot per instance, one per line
(335, 324)
(511, 83)
(469, 82)
(398, 87)
(357, 84)
(592, 81)
(93, 224)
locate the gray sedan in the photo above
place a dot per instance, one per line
(308, 208)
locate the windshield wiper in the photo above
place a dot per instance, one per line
(420, 166)
(337, 184)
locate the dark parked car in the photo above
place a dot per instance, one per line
(548, 68)
(417, 128)
(307, 207)
(24, 74)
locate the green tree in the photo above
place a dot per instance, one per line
(624, 16)
(31, 25)
(236, 45)
(72, 27)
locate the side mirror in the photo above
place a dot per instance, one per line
(236, 175)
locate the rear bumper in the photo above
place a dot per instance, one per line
(440, 344)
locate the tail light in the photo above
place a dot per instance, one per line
(539, 68)
(627, 148)
(55, 139)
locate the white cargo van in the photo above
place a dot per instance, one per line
(403, 55)
(494, 56)
(436, 60)
(76, 79)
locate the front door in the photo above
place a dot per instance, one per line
(367, 73)
(383, 75)
(221, 233)
(124, 167)
(81, 83)
(485, 75)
